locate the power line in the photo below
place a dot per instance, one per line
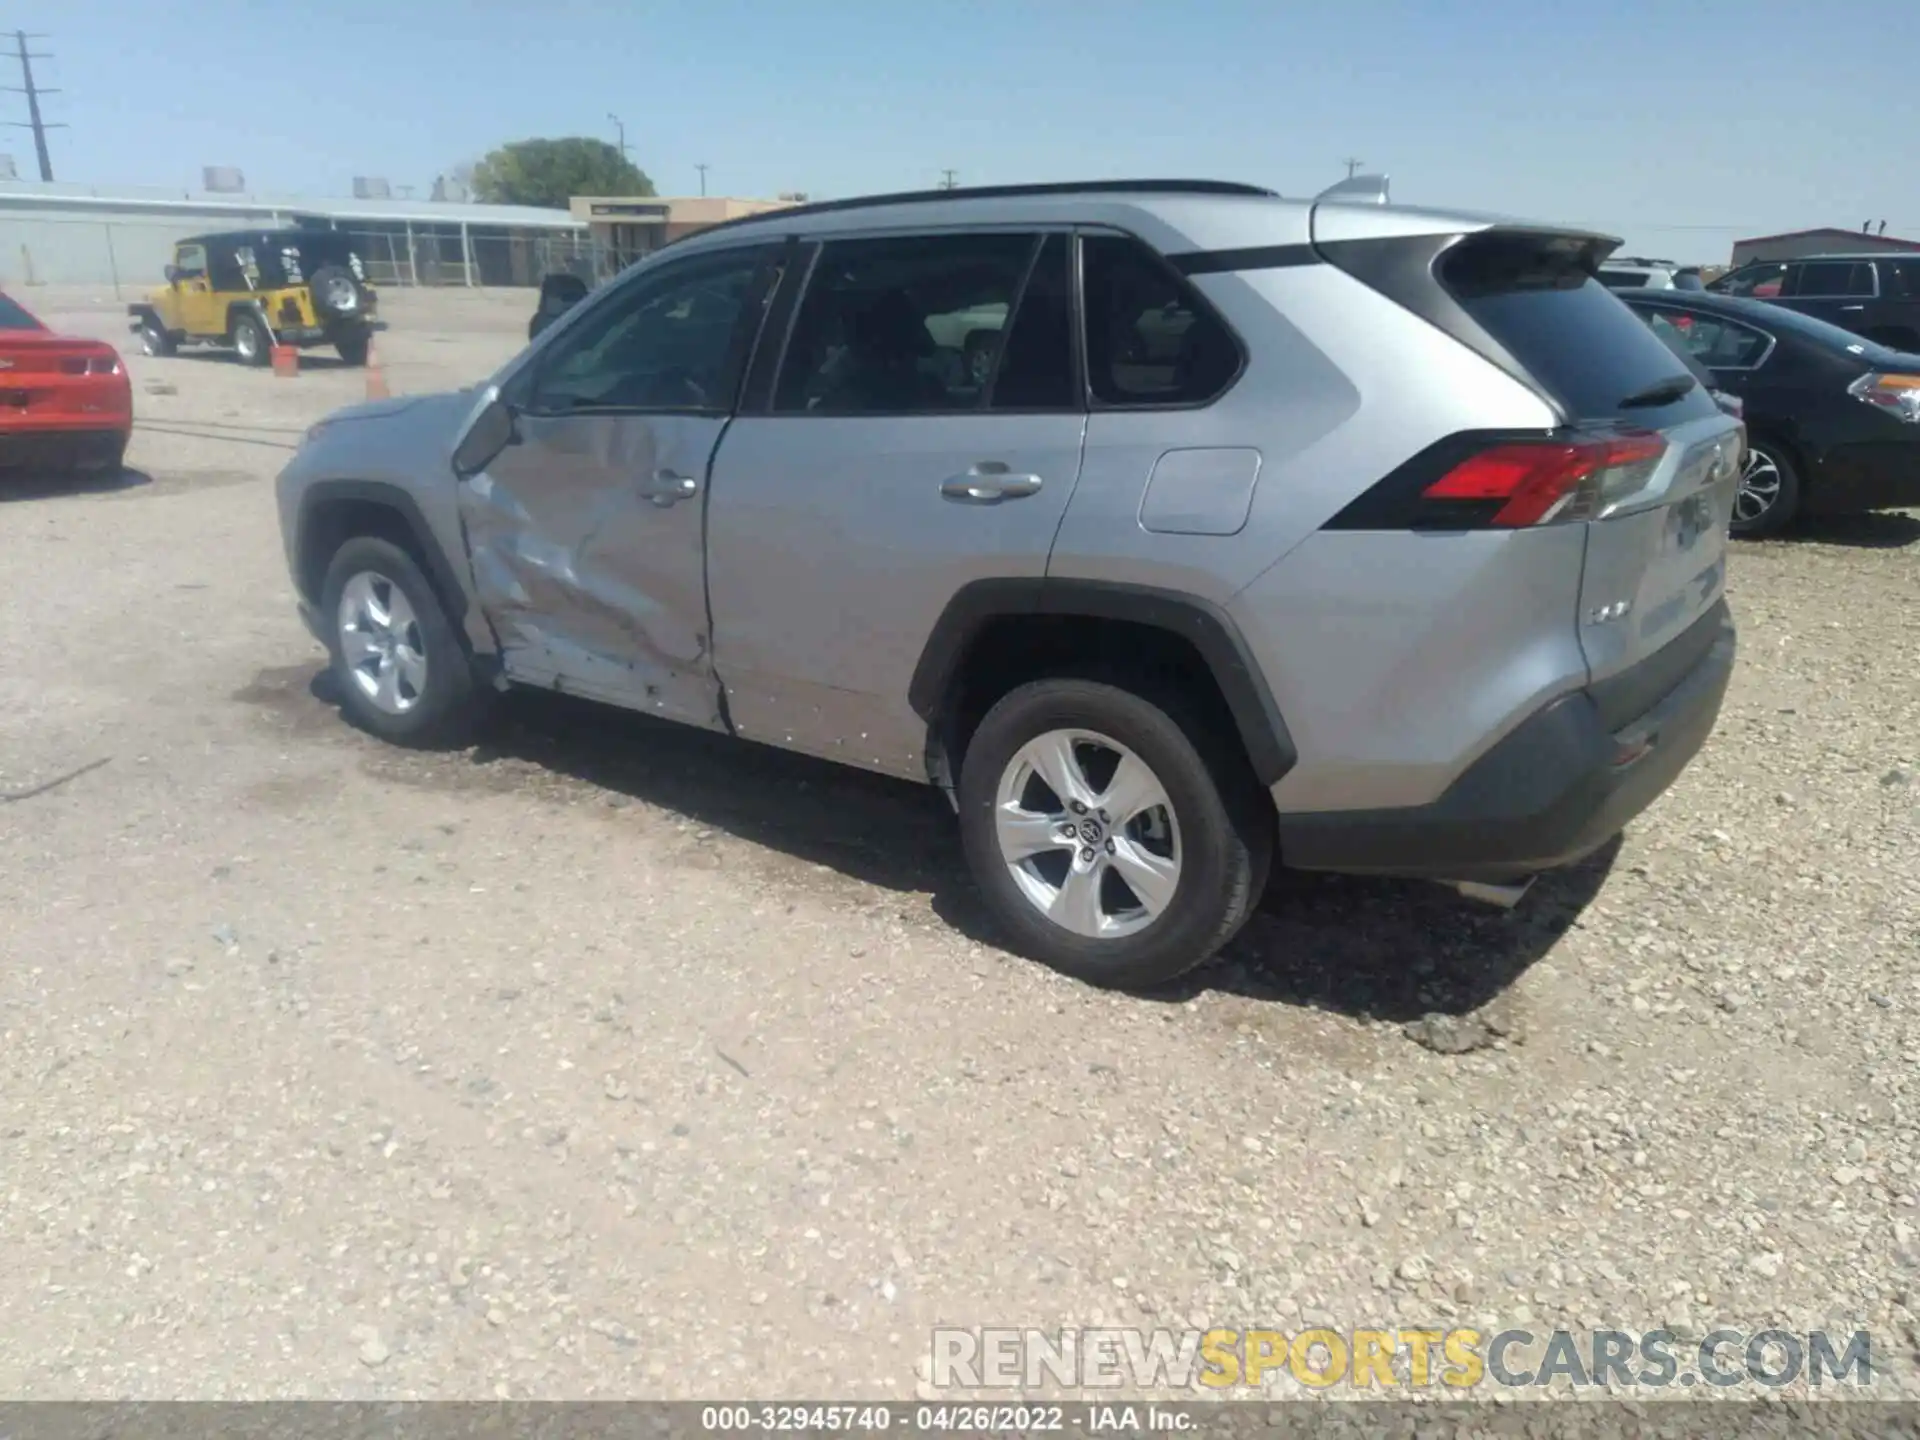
(33, 93)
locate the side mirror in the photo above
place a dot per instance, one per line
(491, 432)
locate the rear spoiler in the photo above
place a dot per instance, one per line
(1357, 190)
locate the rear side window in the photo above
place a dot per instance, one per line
(1716, 343)
(1833, 279)
(1036, 358)
(1625, 279)
(1150, 339)
(1581, 345)
(12, 317)
(905, 325)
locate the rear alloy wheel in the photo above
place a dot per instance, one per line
(1769, 494)
(400, 670)
(1103, 840)
(250, 341)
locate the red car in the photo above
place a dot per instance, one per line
(65, 403)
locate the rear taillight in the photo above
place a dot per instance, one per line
(90, 365)
(1518, 483)
(1898, 395)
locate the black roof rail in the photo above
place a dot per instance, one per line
(995, 192)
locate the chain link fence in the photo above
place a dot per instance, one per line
(442, 255)
(130, 255)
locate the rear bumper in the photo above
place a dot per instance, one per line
(1558, 787)
(55, 446)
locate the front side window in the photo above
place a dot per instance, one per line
(191, 262)
(903, 325)
(1761, 282)
(671, 342)
(1150, 339)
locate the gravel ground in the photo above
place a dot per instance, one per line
(613, 1060)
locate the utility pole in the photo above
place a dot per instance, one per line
(703, 178)
(27, 88)
(621, 130)
(949, 180)
(1353, 167)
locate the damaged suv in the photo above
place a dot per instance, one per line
(1172, 529)
(255, 289)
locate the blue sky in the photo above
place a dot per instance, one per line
(1756, 117)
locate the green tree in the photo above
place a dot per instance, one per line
(550, 172)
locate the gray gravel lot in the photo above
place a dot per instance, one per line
(611, 1060)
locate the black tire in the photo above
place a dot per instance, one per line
(250, 340)
(353, 347)
(1785, 509)
(450, 707)
(336, 294)
(110, 461)
(1224, 824)
(154, 339)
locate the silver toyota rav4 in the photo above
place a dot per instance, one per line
(1173, 529)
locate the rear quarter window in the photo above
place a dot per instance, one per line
(1577, 340)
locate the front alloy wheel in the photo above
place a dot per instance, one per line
(399, 668)
(1088, 834)
(380, 643)
(1769, 494)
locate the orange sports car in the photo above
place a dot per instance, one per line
(65, 403)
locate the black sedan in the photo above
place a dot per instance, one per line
(1833, 421)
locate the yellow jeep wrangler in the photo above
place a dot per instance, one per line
(254, 289)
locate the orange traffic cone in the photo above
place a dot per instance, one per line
(376, 377)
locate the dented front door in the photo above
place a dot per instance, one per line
(586, 532)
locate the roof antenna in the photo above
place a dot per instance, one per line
(1357, 190)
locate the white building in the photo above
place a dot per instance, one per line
(71, 234)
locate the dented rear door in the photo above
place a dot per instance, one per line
(586, 533)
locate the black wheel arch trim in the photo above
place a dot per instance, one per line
(440, 571)
(1212, 632)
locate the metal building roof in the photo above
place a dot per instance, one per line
(155, 200)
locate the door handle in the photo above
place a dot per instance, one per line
(665, 487)
(1853, 307)
(988, 483)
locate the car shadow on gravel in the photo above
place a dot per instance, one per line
(1378, 949)
(1869, 530)
(50, 484)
